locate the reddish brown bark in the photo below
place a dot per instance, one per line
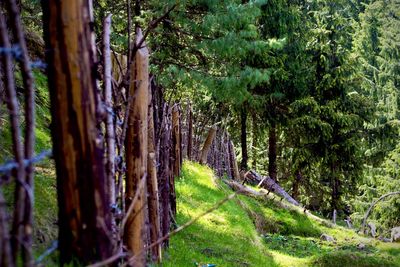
(84, 212)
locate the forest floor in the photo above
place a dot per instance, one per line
(247, 231)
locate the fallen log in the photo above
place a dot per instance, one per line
(269, 184)
(244, 190)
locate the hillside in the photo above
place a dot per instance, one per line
(253, 232)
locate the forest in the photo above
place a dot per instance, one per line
(200, 133)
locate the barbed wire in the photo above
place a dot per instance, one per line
(16, 52)
(11, 165)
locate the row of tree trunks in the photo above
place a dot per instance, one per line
(219, 153)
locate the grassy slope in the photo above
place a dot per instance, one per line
(253, 232)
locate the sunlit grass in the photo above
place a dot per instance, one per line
(256, 232)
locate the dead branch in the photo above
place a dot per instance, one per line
(373, 205)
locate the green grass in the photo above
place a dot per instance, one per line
(226, 237)
(249, 231)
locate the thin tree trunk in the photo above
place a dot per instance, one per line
(164, 157)
(207, 144)
(152, 189)
(18, 150)
(110, 134)
(84, 210)
(137, 152)
(254, 144)
(190, 133)
(176, 142)
(296, 184)
(234, 163)
(272, 152)
(243, 138)
(172, 166)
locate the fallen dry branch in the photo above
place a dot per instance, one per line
(373, 205)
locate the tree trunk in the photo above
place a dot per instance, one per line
(272, 147)
(137, 153)
(296, 184)
(110, 134)
(176, 141)
(152, 189)
(335, 196)
(163, 173)
(207, 144)
(254, 144)
(243, 138)
(84, 210)
(234, 163)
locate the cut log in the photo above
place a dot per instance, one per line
(269, 184)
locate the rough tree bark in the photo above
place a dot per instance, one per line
(137, 152)
(176, 141)
(110, 134)
(152, 189)
(84, 212)
(207, 144)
